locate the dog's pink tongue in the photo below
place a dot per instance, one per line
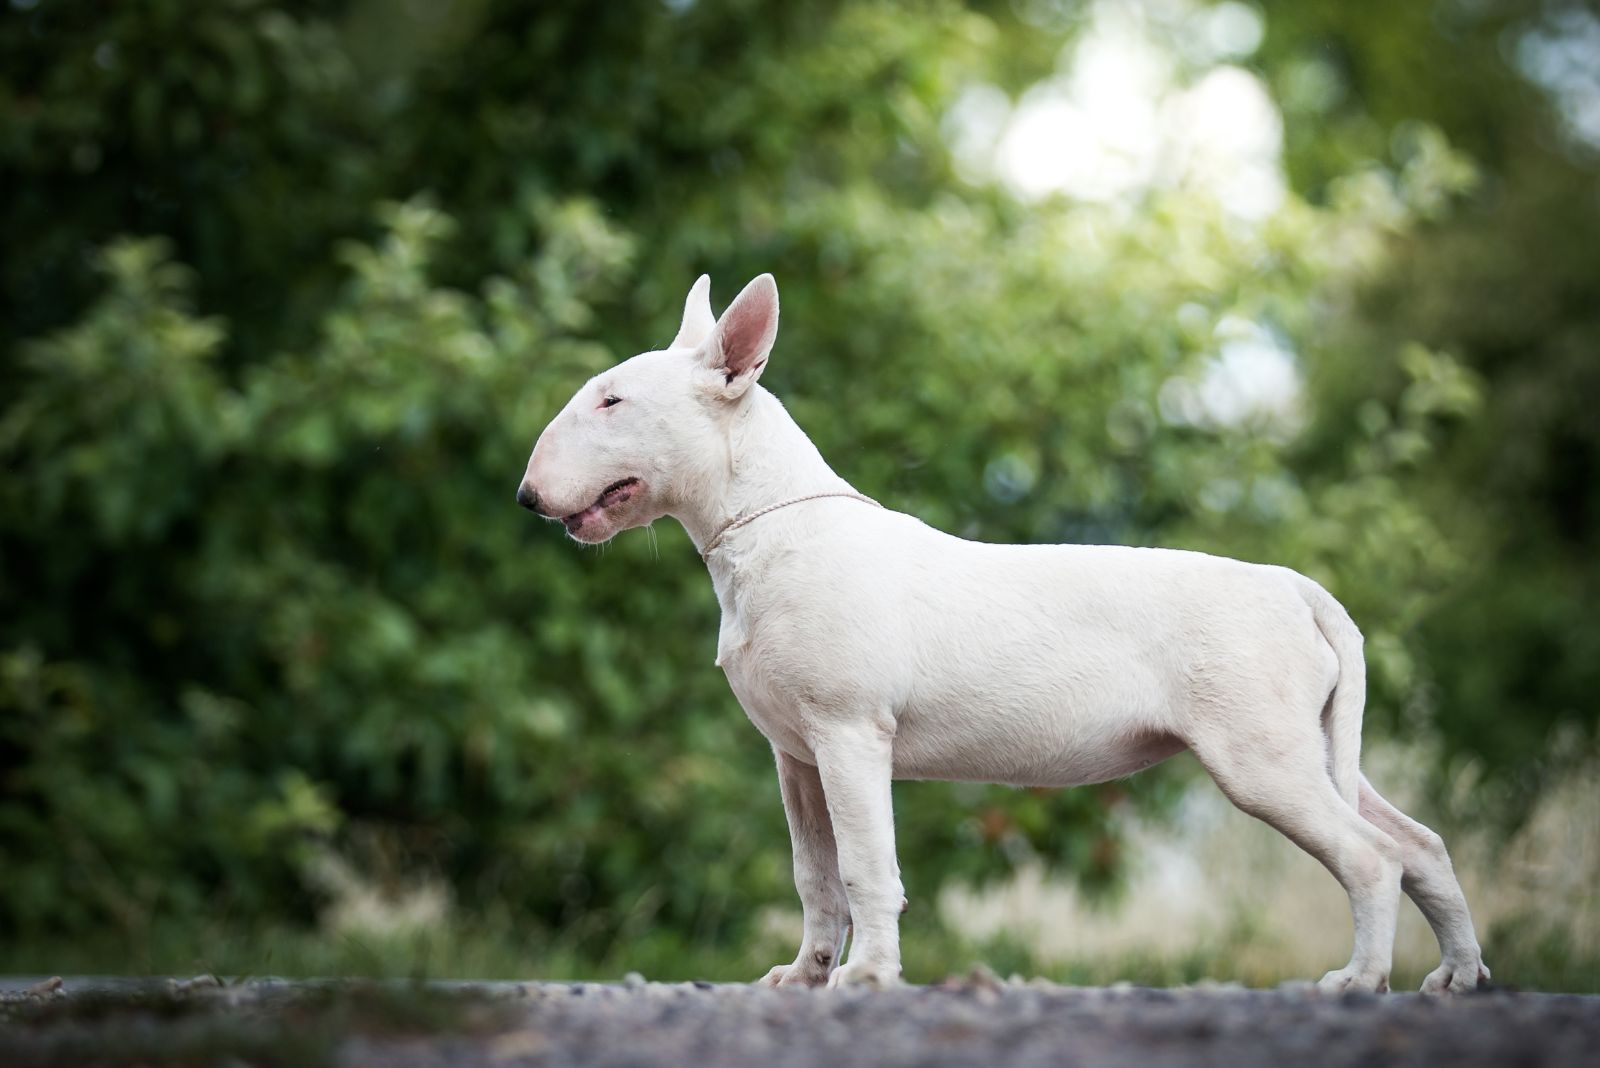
(607, 500)
(578, 519)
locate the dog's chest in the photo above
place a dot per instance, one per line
(773, 717)
(749, 677)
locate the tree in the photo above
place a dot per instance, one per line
(275, 600)
(1501, 281)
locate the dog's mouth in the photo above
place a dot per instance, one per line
(610, 497)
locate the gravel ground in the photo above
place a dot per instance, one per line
(978, 1020)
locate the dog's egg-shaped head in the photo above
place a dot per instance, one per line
(648, 433)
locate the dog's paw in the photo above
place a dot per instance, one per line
(1450, 978)
(862, 973)
(794, 975)
(1349, 980)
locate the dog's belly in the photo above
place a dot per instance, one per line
(994, 718)
(1017, 757)
(1013, 701)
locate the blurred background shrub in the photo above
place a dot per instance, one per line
(289, 289)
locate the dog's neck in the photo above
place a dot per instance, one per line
(769, 459)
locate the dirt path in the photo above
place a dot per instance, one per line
(983, 1022)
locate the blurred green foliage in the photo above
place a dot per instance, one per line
(1504, 280)
(290, 288)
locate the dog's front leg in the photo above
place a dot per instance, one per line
(816, 877)
(855, 764)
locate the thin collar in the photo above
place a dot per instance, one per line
(750, 517)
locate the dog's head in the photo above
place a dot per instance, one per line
(648, 433)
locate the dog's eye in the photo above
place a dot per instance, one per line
(609, 401)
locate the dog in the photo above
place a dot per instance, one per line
(867, 646)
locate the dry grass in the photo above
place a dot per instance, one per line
(1217, 884)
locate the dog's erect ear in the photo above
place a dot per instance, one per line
(698, 322)
(738, 347)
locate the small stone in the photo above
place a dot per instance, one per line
(190, 986)
(50, 988)
(1230, 986)
(633, 980)
(983, 978)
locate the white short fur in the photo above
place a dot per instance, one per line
(867, 646)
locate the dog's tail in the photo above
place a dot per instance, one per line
(1342, 716)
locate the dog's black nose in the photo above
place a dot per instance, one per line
(527, 498)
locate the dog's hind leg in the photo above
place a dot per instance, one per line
(1431, 882)
(823, 903)
(1276, 772)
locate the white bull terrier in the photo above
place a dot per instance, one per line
(867, 646)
